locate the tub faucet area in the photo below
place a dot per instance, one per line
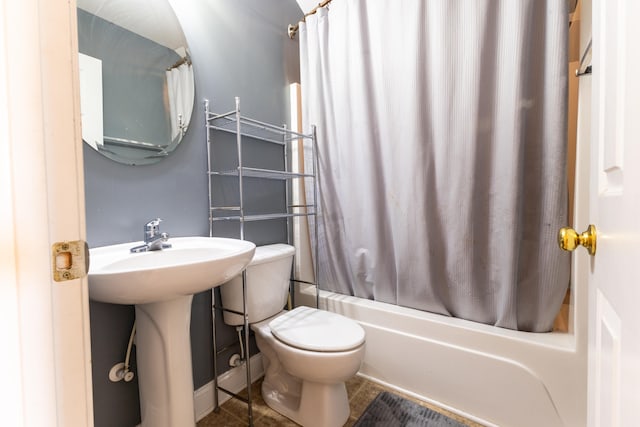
(153, 239)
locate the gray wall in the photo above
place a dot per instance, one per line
(239, 48)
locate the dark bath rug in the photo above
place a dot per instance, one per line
(390, 410)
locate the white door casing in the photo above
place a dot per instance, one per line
(45, 324)
(614, 318)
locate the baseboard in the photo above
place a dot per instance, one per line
(233, 380)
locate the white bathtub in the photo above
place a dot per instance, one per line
(491, 375)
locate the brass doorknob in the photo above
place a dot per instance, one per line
(569, 239)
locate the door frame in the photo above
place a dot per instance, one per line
(45, 323)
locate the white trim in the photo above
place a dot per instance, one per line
(46, 322)
(233, 380)
(28, 202)
(303, 261)
(11, 388)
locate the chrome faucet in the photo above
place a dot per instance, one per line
(153, 239)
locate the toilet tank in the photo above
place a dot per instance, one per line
(267, 286)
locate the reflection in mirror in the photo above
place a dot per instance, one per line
(136, 79)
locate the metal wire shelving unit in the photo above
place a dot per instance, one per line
(246, 128)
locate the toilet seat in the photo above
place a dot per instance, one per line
(317, 330)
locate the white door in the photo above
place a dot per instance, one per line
(44, 324)
(614, 288)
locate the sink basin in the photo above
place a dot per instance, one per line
(191, 265)
(161, 284)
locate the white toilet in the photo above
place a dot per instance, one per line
(308, 354)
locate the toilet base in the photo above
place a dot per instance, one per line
(318, 405)
(306, 386)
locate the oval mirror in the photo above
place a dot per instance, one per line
(136, 79)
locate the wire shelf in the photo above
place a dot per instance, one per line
(253, 128)
(260, 217)
(262, 173)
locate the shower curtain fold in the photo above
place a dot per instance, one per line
(180, 97)
(441, 139)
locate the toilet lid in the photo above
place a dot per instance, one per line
(317, 330)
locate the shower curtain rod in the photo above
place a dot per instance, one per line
(293, 29)
(185, 60)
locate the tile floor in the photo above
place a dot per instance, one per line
(233, 413)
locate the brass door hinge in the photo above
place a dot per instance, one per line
(69, 260)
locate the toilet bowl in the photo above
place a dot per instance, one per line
(308, 353)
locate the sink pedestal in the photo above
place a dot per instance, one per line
(163, 351)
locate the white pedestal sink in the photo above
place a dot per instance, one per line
(161, 284)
